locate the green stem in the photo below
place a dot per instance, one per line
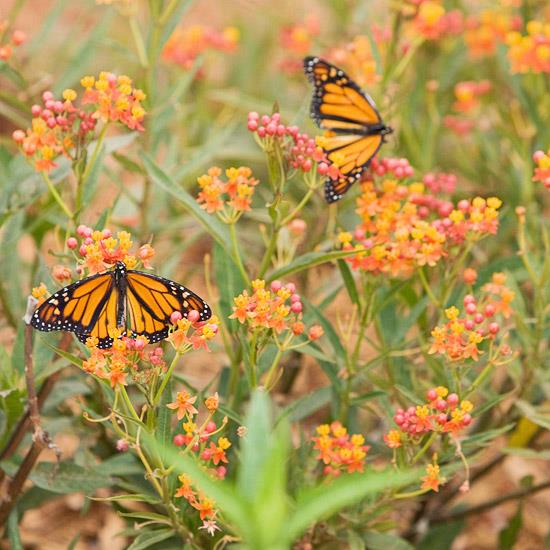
(236, 253)
(425, 448)
(57, 196)
(302, 203)
(138, 40)
(266, 260)
(273, 367)
(166, 379)
(427, 288)
(129, 405)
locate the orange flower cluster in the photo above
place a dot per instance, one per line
(432, 22)
(269, 309)
(404, 227)
(212, 455)
(297, 41)
(99, 250)
(488, 29)
(340, 451)
(433, 479)
(114, 99)
(467, 94)
(203, 331)
(460, 338)
(123, 359)
(442, 413)
(17, 38)
(542, 171)
(531, 52)
(229, 199)
(59, 127)
(186, 44)
(357, 58)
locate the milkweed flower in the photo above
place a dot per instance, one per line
(542, 170)
(301, 151)
(186, 44)
(433, 479)
(16, 39)
(202, 332)
(229, 199)
(432, 22)
(467, 94)
(404, 226)
(338, 450)
(60, 127)
(296, 41)
(530, 52)
(442, 413)
(484, 32)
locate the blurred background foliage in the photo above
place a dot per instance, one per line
(444, 76)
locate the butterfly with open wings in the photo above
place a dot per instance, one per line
(355, 130)
(138, 303)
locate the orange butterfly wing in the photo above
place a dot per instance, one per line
(151, 300)
(355, 126)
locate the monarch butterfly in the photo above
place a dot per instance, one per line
(119, 298)
(355, 130)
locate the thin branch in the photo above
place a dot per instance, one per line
(11, 488)
(459, 514)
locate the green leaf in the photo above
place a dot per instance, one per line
(73, 359)
(229, 281)
(164, 419)
(68, 477)
(307, 404)
(441, 536)
(149, 538)
(508, 537)
(135, 497)
(308, 260)
(13, 531)
(385, 541)
(324, 500)
(539, 416)
(349, 282)
(210, 223)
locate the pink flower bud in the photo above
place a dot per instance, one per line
(291, 287)
(276, 285)
(441, 404)
(18, 37)
(18, 136)
(122, 445)
(469, 299)
(441, 418)
(494, 328)
(471, 308)
(175, 317)
(453, 399)
(296, 307)
(179, 440)
(210, 427)
(489, 310)
(467, 419)
(431, 394)
(469, 324)
(72, 243)
(82, 250)
(295, 298)
(193, 316)
(221, 471)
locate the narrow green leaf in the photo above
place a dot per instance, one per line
(349, 282)
(308, 260)
(324, 500)
(150, 538)
(385, 541)
(68, 477)
(13, 531)
(441, 536)
(210, 223)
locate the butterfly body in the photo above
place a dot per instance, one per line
(355, 130)
(137, 303)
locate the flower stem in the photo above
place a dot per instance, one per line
(273, 368)
(138, 40)
(302, 203)
(425, 448)
(57, 196)
(166, 379)
(427, 288)
(237, 255)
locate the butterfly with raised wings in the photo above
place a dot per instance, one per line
(139, 303)
(355, 130)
